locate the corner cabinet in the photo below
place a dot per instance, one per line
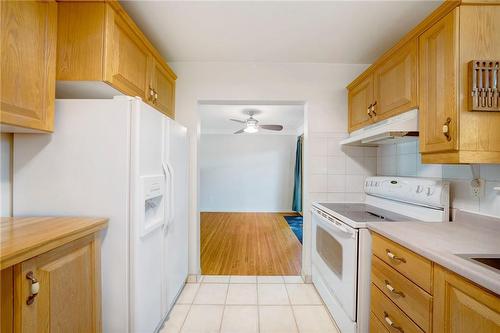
(98, 41)
(28, 59)
(449, 131)
(53, 284)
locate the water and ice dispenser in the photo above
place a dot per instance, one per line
(153, 191)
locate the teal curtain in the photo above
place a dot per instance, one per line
(297, 188)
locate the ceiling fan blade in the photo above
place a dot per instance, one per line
(238, 121)
(271, 127)
(240, 131)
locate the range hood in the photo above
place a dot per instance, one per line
(400, 128)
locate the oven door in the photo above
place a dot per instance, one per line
(335, 256)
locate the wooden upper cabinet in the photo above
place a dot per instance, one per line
(388, 89)
(69, 290)
(28, 60)
(126, 61)
(360, 99)
(98, 41)
(462, 307)
(162, 86)
(395, 82)
(438, 75)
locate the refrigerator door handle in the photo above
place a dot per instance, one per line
(171, 194)
(166, 171)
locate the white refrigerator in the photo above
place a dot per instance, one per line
(117, 158)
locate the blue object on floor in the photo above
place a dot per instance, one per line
(295, 223)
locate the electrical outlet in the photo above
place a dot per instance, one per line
(477, 188)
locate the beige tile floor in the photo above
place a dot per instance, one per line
(253, 304)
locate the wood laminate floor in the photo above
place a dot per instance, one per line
(248, 244)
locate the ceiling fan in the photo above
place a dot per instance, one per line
(252, 125)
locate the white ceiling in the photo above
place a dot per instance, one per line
(355, 32)
(215, 117)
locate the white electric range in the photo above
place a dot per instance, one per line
(341, 243)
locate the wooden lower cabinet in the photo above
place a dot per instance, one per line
(462, 307)
(400, 303)
(376, 325)
(69, 294)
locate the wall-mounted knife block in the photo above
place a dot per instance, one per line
(484, 87)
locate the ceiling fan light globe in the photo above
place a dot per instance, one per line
(251, 129)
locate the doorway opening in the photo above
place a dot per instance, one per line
(250, 160)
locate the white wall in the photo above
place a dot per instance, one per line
(404, 160)
(320, 86)
(5, 174)
(246, 173)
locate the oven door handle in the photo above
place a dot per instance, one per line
(338, 225)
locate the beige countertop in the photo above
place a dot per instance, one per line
(22, 238)
(440, 242)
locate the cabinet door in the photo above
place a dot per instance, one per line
(395, 82)
(69, 290)
(164, 85)
(360, 97)
(28, 63)
(126, 57)
(438, 75)
(462, 307)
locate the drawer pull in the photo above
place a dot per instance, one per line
(392, 290)
(394, 257)
(35, 288)
(391, 323)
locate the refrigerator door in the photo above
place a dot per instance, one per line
(175, 231)
(148, 199)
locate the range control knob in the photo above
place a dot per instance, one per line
(429, 191)
(419, 189)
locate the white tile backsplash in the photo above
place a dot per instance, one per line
(490, 204)
(490, 172)
(336, 183)
(406, 148)
(331, 165)
(336, 165)
(354, 183)
(407, 165)
(404, 160)
(318, 183)
(318, 165)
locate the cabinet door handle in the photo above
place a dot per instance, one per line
(394, 257)
(369, 110)
(156, 96)
(389, 322)
(392, 290)
(446, 129)
(151, 93)
(35, 287)
(373, 108)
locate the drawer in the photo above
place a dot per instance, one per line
(394, 320)
(415, 267)
(410, 298)
(376, 325)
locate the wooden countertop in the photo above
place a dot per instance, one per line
(22, 238)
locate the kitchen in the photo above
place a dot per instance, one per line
(332, 172)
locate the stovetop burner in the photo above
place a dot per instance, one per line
(360, 212)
